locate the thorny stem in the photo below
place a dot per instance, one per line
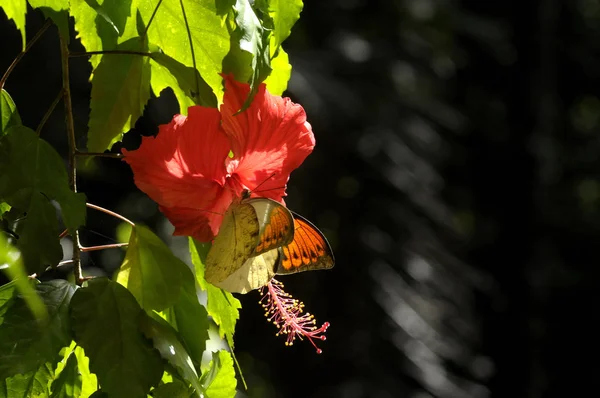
(49, 112)
(109, 212)
(64, 52)
(22, 53)
(102, 247)
(104, 52)
(100, 154)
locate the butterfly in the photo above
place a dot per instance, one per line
(250, 227)
(308, 250)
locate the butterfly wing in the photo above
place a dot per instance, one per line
(234, 244)
(308, 251)
(256, 272)
(276, 224)
(250, 228)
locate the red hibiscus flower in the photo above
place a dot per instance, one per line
(187, 169)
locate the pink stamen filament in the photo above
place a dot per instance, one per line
(285, 313)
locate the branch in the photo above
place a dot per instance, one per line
(104, 52)
(100, 154)
(49, 112)
(112, 213)
(102, 247)
(22, 53)
(64, 56)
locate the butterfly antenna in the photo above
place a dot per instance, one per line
(265, 180)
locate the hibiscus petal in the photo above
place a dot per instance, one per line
(269, 139)
(183, 167)
(200, 224)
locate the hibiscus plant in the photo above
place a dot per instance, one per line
(144, 330)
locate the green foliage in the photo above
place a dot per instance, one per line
(33, 384)
(26, 343)
(31, 173)
(167, 342)
(151, 272)
(105, 322)
(221, 305)
(57, 340)
(219, 381)
(68, 383)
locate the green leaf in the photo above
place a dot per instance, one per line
(89, 381)
(105, 318)
(221, 305)
(186, 83)
(190, 319)
(34, 384)
(174, 389)
(120, 90)
(57, 11)
(102, 27)
(16, 10)
(68, 382)
(150, 271)
(25, 343)
(7, 298)
(219, 380)
(11, 264)
(8, 112)
(277, 81)
(209, 36)
(249, 57)
(284, 13)
(31, 172)
(167, 342)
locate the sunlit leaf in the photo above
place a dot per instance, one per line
(284, 13)
(68, 382)
(221, 305)
(175, 389)
(190, 318)
(105, 318)
(277, 81)
(150, 270)
(16, 10)
(249, 57)
(120, 90)
(31, 173)
(186, 83)
(219, 380)
(103, 26)
(89, 381)
(12, 266)
(9, 116)
(209, 36)
(25, 342)
(34, 384)
(166, 341)
(57, 11)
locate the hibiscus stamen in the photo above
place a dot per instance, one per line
(288, 315)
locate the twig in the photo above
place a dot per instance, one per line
(49, 112)
(112, 213)
(22, 53)
(64, 52)
(100, 154)
(102, 247)
(151, 19)
(104, 52)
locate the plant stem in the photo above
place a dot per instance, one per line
(22, 53)
(151, 19)
(49, 112)
(102, 247)
(189, 34)
(112, 213)
(100, 154)
(104, 52)
(64, 52)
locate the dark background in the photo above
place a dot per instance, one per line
(456, 174)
